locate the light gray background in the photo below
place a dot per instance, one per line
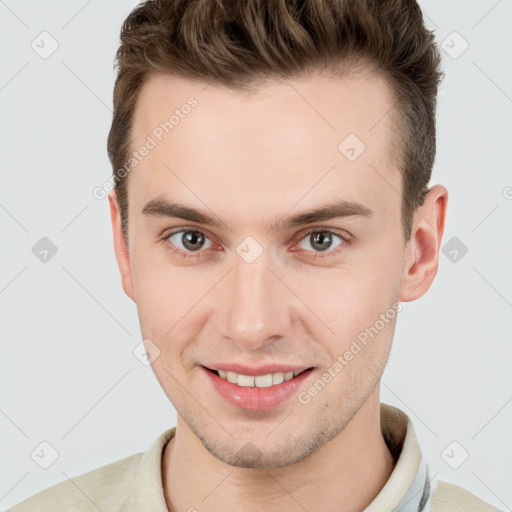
(67, 371)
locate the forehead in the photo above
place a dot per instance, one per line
(292, 138)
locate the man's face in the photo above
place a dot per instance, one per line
(240, 293)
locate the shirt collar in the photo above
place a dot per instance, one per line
(408, 488)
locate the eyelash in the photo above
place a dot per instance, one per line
(345, 240)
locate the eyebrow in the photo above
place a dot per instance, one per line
(331, 210)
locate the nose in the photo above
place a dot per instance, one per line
(255, 307)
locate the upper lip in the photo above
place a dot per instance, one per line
(265, 369)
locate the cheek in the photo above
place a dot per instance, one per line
(347, 300)
(171, 302)
(158, 297)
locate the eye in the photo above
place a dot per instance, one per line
(322, 241)
(187, 242)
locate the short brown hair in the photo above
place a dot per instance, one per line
(243, 43)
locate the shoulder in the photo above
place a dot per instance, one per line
(103, 488)
(449, 497)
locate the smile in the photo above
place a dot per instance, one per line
(256, 392)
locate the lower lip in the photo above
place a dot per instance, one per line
(253, 398)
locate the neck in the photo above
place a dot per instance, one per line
(345, 475)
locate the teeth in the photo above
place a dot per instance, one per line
(259, 381)
(262, 381)
(232, 377)
(277, 378)
(246, 380)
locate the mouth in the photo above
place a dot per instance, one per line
(257, 392)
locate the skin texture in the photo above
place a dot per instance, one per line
(250, 160)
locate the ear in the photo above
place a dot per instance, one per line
(120, 248)
(421, 257)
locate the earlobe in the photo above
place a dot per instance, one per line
(421, 257)
(120, 248)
